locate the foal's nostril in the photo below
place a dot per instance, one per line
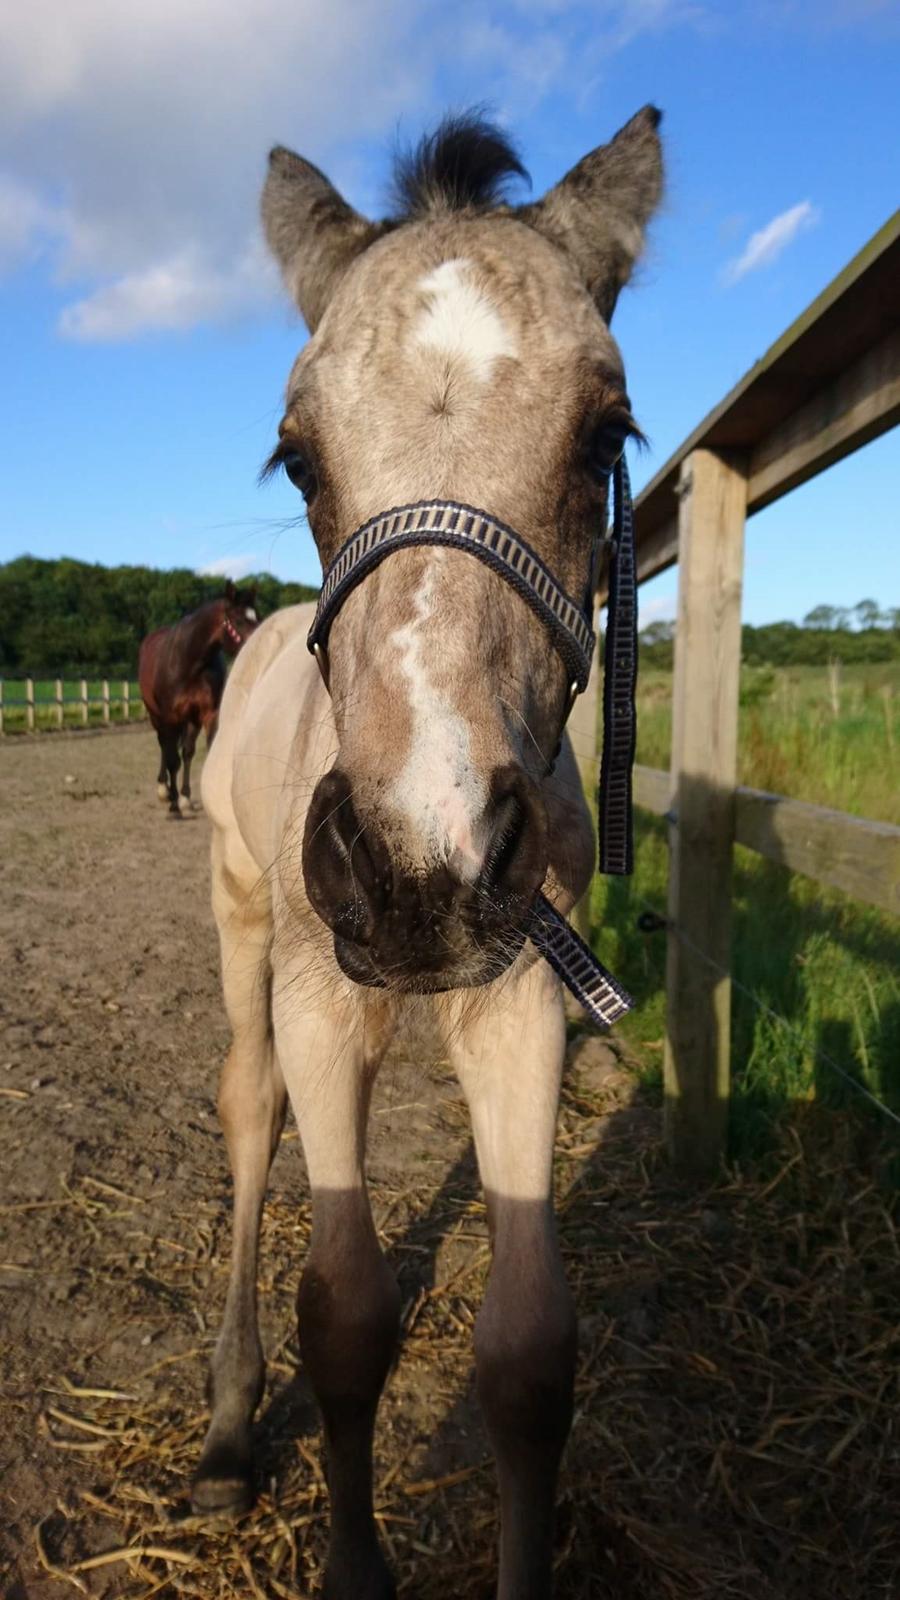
(509, 824)
(516, 857)
(343, 880)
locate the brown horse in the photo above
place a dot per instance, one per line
(181, 672)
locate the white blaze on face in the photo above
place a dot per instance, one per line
(438, 792)
(460, 320)
(249, 613)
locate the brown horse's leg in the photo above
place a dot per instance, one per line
(348, 1303)
(509, 1061)
(162, 780)
(188, 746)
(168, 739)
(251, 1106)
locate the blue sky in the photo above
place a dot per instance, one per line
(145, 343)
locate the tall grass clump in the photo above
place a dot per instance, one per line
(817, 975)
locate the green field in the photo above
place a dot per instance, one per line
(828, 965)
(46, 714)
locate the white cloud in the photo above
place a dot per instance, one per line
(233, 566)
(662, 608)
(25, 220)
(765, 246)
(133, 137)
(171, 295)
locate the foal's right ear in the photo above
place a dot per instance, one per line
(599, 211)
(311, 231)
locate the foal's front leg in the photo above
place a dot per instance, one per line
(252, 1103)
(509, 1060)
(348, 1303)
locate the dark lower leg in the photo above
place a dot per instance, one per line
(172, 761)
(162, 779)
(251, 1108)
(348, 1307)
(188, 747)
(525, 1359)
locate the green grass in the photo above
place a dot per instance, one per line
(827, 964)
(45, 709)
(796, 739)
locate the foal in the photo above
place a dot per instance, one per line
(181, 673)
(381, 828)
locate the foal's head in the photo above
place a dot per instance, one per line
(461, 351)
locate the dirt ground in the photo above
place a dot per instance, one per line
(733, 1434)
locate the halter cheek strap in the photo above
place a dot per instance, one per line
(461, 527)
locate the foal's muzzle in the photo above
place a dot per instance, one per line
(427, 930)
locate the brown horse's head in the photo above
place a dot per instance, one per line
(239, 617)
(460, 351)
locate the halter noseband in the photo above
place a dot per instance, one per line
(447, 523)
(232, 632)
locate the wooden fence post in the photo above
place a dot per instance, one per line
(60, 711)
(583, 732)
(84, 701)
(104, 692)
(126, 699)
(713, 499)
(29, 704)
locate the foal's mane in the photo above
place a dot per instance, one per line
(464, 165)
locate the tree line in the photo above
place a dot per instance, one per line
(71, 618)
(864, 632)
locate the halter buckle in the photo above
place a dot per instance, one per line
(321, 655)
(571, 696)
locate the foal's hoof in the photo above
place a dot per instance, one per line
(162, 793)
(185, 805)
(222, 1497)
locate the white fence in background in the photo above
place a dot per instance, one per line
(69, 705)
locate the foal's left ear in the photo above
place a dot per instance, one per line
(311, 231)
(599, 210)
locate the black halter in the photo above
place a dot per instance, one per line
(461, 527)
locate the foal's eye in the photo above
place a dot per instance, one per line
(300, 472)
(606, 446)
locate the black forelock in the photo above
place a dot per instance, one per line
(465, 164)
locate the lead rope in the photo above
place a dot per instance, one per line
(593, 986)
(614, 804)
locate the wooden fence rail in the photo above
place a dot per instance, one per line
(51, 709)
(830, 384)
(850, 853)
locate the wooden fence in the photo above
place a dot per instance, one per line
(830, 384)
(66, 706)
